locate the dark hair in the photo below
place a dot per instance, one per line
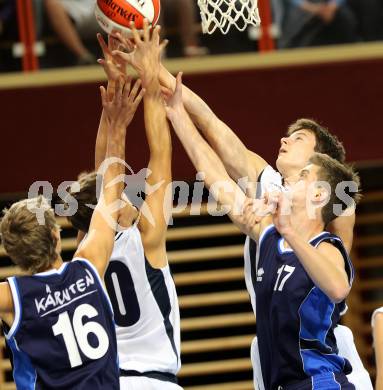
(326, 143)
(333, 172)
(85, 197)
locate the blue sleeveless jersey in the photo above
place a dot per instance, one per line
(63, 335)
(295, 319)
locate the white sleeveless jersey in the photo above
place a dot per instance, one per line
(145, 306)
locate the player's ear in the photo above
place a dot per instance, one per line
(57, 236)
(320, 195)
(56, 232)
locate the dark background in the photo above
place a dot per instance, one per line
(48, 133)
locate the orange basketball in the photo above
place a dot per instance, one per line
(116, 15)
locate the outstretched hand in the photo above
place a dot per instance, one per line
(254, 211)
(121, 107)
(114, 67)
(145, 53)
(174, 105)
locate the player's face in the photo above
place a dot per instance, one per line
(302, 186)
(295, 151)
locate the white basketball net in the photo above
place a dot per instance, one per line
(223, 14)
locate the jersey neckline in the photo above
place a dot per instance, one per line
(281, 243)
(53, 271)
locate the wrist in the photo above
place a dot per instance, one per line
(150, 79)
(118, 125)
(179, 115)
(151, 85)
(289, 234)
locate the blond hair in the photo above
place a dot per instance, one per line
(31, 245)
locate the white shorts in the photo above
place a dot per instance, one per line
(144, 383)
(359, 376)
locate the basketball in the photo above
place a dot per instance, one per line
(116, 15)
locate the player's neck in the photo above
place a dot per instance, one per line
(289, 172)
(306, 227)
(57, 263)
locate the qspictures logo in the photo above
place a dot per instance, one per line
(177, 196)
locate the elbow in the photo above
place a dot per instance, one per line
(339, 292)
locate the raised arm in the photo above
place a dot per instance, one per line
(325, 264)
(237, 159)
(146, 60)
(114, 69)
(217, 180)
(99, 242)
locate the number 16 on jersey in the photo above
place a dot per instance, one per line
(75, 334)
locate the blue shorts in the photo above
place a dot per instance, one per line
(327, 381)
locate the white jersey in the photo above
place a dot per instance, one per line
(145, 307)
(271, 180)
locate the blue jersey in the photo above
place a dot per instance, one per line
(295, 319)
(63, 335)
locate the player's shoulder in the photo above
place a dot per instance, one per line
(269, 235)
(335, 240)
(269, 180)
(69, 271)
(251, 244)
(80, 264)
(329, 249)
(332, 246)
(6, 302)
(330, 242)
(269, 173)
(377, 317)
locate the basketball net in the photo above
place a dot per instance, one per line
(224, 14)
